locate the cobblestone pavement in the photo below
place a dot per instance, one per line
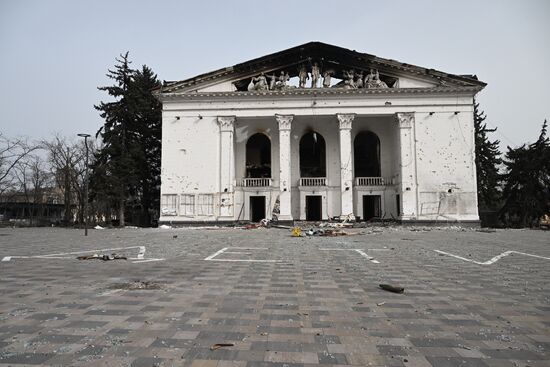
(300, 302)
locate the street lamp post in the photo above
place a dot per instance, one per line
(86, 136)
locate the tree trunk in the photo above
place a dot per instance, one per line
(121, 213)
(145, 206)
(67, 193)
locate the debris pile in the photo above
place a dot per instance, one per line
(264, 223)
(104, 257)
(325, 230)
(137, 285)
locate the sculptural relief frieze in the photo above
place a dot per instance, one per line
(320, 78)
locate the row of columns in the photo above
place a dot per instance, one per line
(345, 121)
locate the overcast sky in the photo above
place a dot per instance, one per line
(53, 54)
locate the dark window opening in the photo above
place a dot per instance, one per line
(258, 156)
(257, 208)
(366, 148)
(314, 207)
(312, 155)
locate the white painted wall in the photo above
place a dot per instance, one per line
(190, 157)
(446, 162)
(444, 146)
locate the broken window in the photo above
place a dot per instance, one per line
(367, 155)
(169, 204)
(205, 205)
(258, 156)
(187, 204)
(312, 155)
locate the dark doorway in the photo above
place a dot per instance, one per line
(314, 209)
(371, 207)
(312, 155)
(398, 202)
(258, 156)
(366, 155)
(257, 208)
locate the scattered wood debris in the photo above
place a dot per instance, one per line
(221, 345)
(392, 288)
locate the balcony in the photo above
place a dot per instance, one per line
(373, 181)
(313, 181)
(255, 182)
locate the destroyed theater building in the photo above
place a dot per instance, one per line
(316, 132)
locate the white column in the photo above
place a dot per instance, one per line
(346, 165)
(227, 166)
(407, 164)
(285, 183)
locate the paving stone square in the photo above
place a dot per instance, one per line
(273, 299)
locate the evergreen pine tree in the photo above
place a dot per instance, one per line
(527, 190)
(487, 163)
(127, 167)
(115, 160)
(147, 112)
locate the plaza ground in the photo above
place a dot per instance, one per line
(281, 301)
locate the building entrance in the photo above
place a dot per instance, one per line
(314, 207)
(371, 207)
(257, 208)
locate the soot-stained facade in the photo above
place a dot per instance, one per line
(316, 132)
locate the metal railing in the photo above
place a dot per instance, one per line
(255, 182)
(373, 181)
(313, 181)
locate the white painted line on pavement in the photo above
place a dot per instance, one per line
(494, 259)
(98, 250)
(140, 256)
(146, 261)
(224, 251)
(247, 260)
(370, 258)
(359, 251)
(354, 249)
(216, 254)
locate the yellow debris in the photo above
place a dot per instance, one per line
(296, 232)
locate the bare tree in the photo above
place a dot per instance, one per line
(67, 161)
(32, 177)
(62, 160)
(41, 181)
(78, 178)
(12, 151)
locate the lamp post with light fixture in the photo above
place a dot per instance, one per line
(85, 136)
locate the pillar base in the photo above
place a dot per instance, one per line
(349, 217)
(285, 218)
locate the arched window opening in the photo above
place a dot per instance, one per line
(312, 155)
(367, 155)
(258, 156)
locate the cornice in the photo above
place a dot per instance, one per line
(315, 92)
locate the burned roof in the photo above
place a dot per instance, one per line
(328, 56)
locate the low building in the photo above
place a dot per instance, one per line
(316, 132)
(42, 208)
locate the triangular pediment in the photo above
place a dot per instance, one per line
(330, 66)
